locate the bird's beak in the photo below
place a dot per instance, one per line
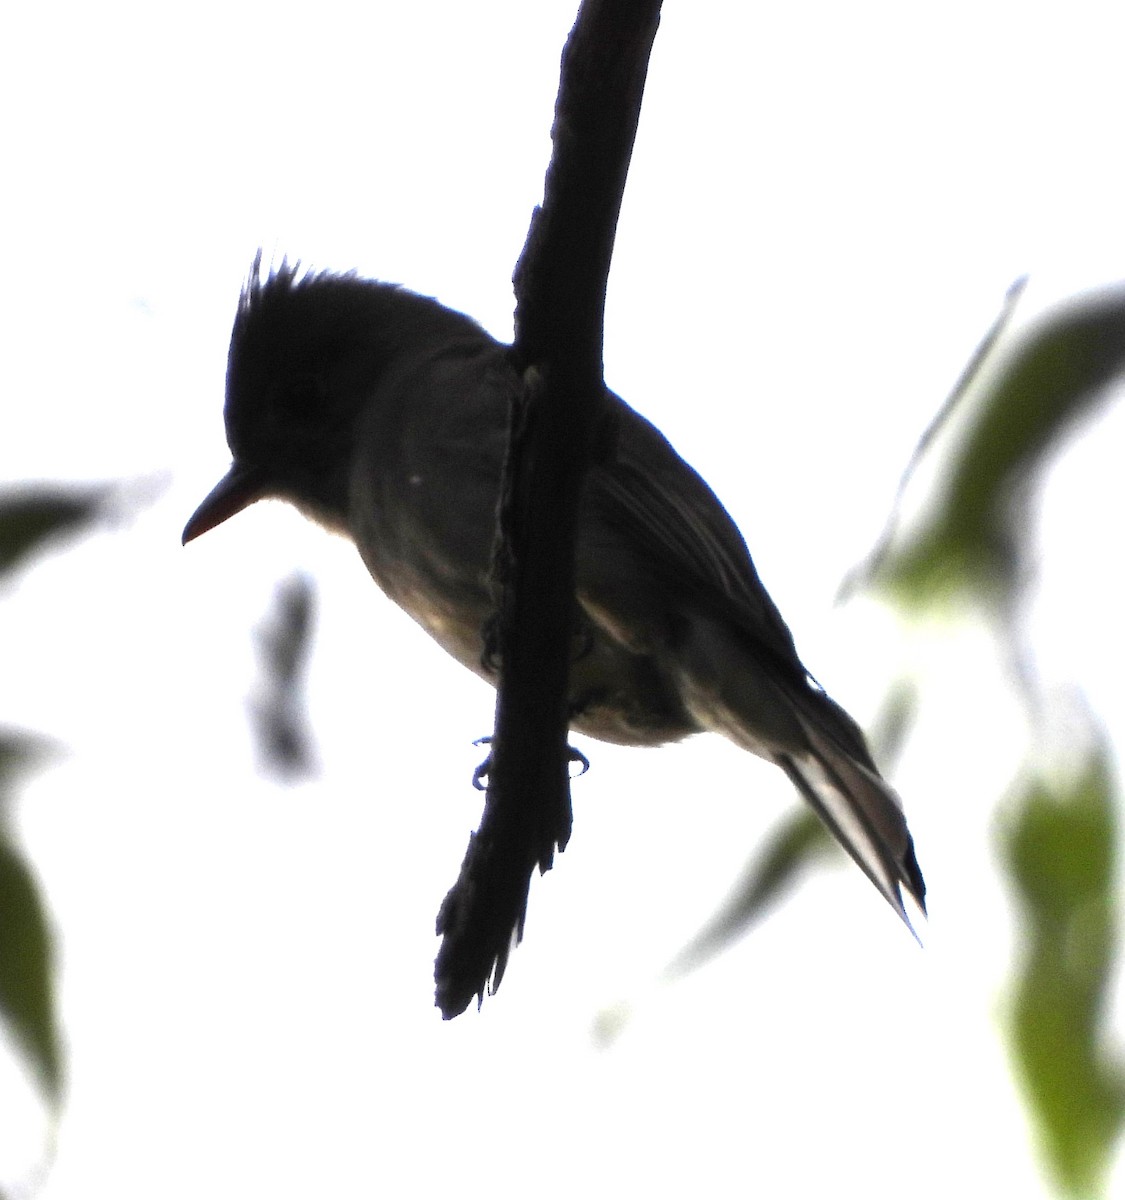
(237, 489)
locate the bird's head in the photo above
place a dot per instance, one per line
(307, 353)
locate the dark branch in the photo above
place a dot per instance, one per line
(557, 426)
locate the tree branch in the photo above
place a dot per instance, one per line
(558, 424)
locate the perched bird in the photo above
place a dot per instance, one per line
(384, 416)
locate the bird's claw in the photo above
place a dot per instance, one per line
(480, 775)
(577, 756)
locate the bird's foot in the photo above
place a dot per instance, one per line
(480, 774)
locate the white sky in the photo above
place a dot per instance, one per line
(825, 208)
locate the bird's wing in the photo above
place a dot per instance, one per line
(655, 501)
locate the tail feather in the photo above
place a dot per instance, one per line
(863, 812)
(767, 704)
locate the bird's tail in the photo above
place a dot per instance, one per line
(860, 808)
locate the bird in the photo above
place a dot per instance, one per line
(383, 415)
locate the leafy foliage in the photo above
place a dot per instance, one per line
(974, 547)
(34, 518)
(797, 842)
(1060, 847)
(1017, 401)
(27, 1000)
(32, 515)
(1015, 408)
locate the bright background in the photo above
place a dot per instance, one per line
(825, 208)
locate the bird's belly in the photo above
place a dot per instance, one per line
(453, 617)
(616, 694)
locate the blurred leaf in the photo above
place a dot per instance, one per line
(284, 642)
(26, 959)
(609, 1023)
(893, 724)
(1060, 847)
(20, 751)
(873, 565)
(33, 513)
(26, 991)
(973, 538)
(794, 845)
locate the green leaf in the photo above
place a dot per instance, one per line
(26, 961)
(33, 513)
(1022, 405)
(26, 957)
(793, 846)
(1060, 848)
